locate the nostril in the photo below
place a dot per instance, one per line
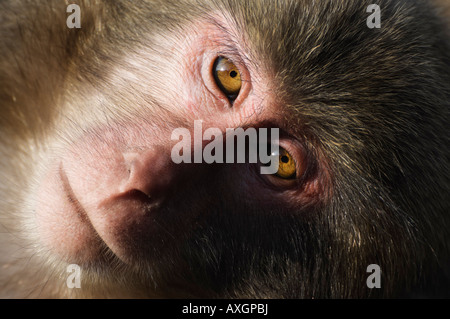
(138, 195)
(149, 172)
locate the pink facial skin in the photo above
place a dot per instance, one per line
(115, 189)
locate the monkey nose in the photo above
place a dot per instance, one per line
(150, 172)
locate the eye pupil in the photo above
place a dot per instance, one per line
(233, 74)
(284, 159)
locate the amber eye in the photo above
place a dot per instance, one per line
(286, 165)
(227, 77)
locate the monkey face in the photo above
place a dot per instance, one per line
(130, 175)
(113, 194)
(115, 187)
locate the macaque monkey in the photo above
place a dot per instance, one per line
(88, 182)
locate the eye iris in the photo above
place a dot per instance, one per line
(286, 165)
(227, 77)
